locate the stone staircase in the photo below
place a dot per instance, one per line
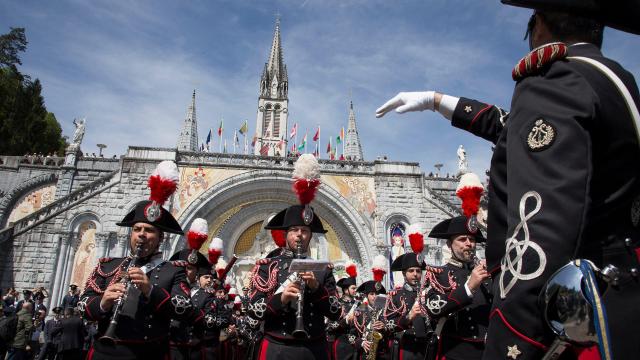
(59, 206)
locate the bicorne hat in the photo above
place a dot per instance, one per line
(166, 222)
(459, 225)
(371, 286)
(406, 261)
(294, 216)
(620, 14)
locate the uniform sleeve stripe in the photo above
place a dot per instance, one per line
(516, 332)
(478, 114)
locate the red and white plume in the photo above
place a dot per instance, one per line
(220, 266)
(379, 267)
(306, 178)
(232, 293)
(197, 234)
(215, 250)
(279, 237)
(351, 269)
(416, 237)
(163, 181)
(237, 303)
(470, 191)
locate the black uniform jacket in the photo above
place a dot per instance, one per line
(280, 319)
(399, 303)
(564, 184)
(465, 317)
(169, 298)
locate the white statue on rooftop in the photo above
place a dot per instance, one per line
(462, 160)
(79, 133)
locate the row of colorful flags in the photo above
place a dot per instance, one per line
(296, 148)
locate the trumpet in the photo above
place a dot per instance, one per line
(109, 337)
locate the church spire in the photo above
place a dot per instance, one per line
(188, 140)
(273, 102)
(352, 148)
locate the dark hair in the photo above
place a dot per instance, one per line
(68, 312)
(571, 28)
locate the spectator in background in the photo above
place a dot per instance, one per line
(71, 299)
(9, 301)
(50, 346)
(19, 347)
(73, 332)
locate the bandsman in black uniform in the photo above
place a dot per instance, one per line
(338, 330)
(402, 313)
(275, 297)
(367, 324)
(564, 180)
(158, 290)
(458, 300)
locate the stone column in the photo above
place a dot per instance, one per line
(57, 293)
(102, 243)
(122, 249)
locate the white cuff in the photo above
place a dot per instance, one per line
(448, 105)
(466, 288)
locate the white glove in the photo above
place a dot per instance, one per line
(408, 101)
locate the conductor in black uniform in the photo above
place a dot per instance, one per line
(163, 292)
(277, 307)
(564, 178)
(458, 301)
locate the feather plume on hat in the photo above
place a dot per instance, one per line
(351, 269)
(416, 237)
(379, 267)
(215, 250)
(470, 191)
(162, 183)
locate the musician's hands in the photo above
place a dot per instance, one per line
(409, 101)
(478, 275)
(378, 325)
(111, 294)
(290, 293)
(310, 278)
(139, 278)
(366, 345)
(415, 311)
(349, 317)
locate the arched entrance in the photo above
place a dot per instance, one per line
(237, 207)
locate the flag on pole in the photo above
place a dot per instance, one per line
(303, 144)
(221, 128)
(294, 130)
(342, 157)
(329, 146)
(236, 138)
(224, 151)
(208, 142)
(340, 137)
(316, 137)
(281, 142)
(264, 150)
(316, 152)
(244, 128)
(255, 138)
(202, 147)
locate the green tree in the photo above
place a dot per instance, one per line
(25, 124)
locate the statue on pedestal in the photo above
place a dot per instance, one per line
(462, 160)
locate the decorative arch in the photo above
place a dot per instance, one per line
(21, 191)
(242, 200)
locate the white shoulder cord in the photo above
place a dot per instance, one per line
(631, 105)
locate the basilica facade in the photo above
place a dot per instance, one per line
(58, 215)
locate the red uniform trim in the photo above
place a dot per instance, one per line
(516, 332)
(477, 115)
(165, 299)
(450, 298)
(263, 349)
(86, 308)
(90, 354)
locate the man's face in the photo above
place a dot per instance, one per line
(205, 281)
(148, 236)
(371, 297)
(298, 233)
(351, 290)
(191, 273)
(463, 247)
(412, 275)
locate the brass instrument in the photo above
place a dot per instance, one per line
(300, 331)
(109, 337)
(374, 336)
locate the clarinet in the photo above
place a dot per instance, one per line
(109, 337)
(300, 332)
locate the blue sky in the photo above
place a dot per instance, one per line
(130, 67)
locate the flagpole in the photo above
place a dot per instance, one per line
(220, 130)
(343, 141)
(319, 141)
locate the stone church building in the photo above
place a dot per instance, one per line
(58, 215)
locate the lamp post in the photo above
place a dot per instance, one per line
(101, 146)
